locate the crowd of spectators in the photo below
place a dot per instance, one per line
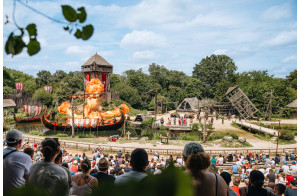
(48, 165)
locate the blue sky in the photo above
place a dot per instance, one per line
(257, 35)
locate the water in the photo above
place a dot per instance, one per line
(38, 127)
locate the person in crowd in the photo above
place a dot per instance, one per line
(226, 176)
(279, 189)
(29, 151)
(119, 154)
(285, 167)
(289, 177)
(271, 176)
(220, 160)
(294, 168)
(277, 159)
(102, 175)
(158, 170)
(127, 168)
(292, 156)
(279, 179)
(235, 169)
(230, 157)
(46, 174)
(213, 160)
(16, 164)
(127, 156)
(291, 189)
(236, 183)
(197, 162)
(139, 162)
(256, 181)
(83, 183)
(74, 167)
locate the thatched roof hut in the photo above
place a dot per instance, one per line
(189, 105)
(292, 104)
(8, 103)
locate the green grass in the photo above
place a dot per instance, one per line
(262, 136)
(286, 142)
(235, 144)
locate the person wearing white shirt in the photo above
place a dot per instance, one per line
(285, 168)
(294, 169)
(220, 160)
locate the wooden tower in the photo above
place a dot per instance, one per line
(241, 102)
(98, 67)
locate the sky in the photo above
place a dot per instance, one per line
(256, 34)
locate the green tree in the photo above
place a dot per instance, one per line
(43, 78)
(61, 92)
(58, 76)
(45, 97)
(128, 94)
(30, 86)
(213, 70)
(292, 79)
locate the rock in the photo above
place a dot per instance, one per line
(228, 138)
(242, 139)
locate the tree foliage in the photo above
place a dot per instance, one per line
(211, 79)
(16, 42)
(213, 71)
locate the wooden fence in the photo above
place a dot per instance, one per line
(108, 148)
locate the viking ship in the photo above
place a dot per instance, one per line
(33, 111)
(87, 124)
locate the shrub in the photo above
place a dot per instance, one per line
(35, 133)
(195, 126)
(81, 135)
(189, 136)
(215, 136)
(233, 135)
(286, 135)
(61, 135)
(148, 123)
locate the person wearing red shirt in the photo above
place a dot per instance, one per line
(289, 178)
(236, 182)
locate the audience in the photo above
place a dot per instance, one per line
(46, 174)
(139, 162)
(252, 173)
(197, 162)
(16, 164)
(83, 183)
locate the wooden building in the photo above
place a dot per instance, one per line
(98, 67)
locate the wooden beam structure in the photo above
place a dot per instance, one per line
(241, 102)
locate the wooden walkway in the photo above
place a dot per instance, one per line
(257, 128)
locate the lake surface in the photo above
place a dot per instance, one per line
(28, 127)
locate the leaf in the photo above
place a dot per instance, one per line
(78, 34)
(33, 47)
(31, 28)
(14, 44)
(82, 15)
(87, 32)
(69, 13)
(9, 44)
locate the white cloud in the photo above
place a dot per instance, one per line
(220, 51)
(85, 51)
(144, 55)
(282, 38)
(290, 59)
(143, 40)
(277, 12)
